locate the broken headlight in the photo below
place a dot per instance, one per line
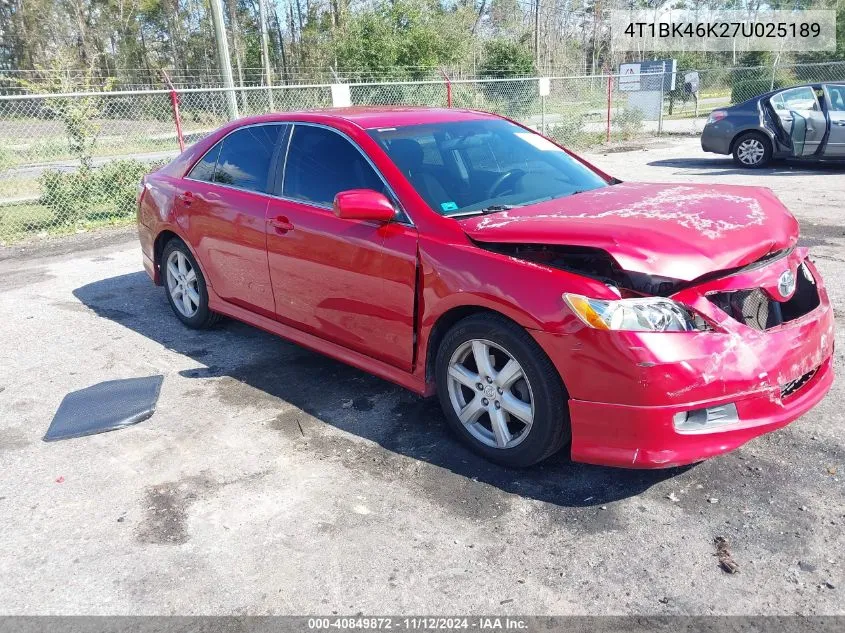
(651, 314)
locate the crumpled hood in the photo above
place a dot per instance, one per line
(672, 230)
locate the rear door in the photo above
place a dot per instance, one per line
(801, 117)
(222, 206)
(835, 97)
(352, 282)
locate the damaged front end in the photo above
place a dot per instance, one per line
(749, 352)
(590, 262)
(758, 306)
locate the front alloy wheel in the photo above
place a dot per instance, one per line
(500, 392)
(490, 394)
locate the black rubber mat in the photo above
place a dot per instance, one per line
(105, 406)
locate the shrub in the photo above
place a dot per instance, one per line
(110, 189)
(568, 130)
(66, 194)
(629, 123)
(748, 88)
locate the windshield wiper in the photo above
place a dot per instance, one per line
(484, 211)
(496, 207)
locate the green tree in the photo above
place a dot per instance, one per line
(409, 38)
(506, 58)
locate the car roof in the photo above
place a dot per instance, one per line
(369, 117)
(814, 86)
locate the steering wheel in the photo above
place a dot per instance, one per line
(511, 174)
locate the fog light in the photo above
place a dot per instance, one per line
(705, 420)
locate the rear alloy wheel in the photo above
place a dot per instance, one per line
(752, 150)
(185, 284)
(500, 392)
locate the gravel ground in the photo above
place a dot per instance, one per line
(274, 480)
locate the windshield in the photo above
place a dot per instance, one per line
(467, 167)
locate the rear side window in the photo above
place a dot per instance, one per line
(796, 99)
(204, 170)
(322, 163)
(242, 159)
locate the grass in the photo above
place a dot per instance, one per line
(18, 187)
(21, 221)
(54, 149)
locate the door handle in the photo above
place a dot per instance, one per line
(281, 224)
(186, 197)
(839, 123)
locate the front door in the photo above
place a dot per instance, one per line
(222, 205)
(835, 96)
(348, 281)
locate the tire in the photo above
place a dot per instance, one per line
(539, 388)
(752, 146)
(189, 281)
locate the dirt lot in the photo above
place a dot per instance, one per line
(274, 480)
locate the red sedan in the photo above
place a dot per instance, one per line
(546, 303)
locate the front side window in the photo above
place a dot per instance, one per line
(242, 159)
(837, 98)
(322, 163)
(467, 167)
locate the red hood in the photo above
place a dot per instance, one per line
(671, 230)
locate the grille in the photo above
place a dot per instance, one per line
(756, 309)
(791, 387)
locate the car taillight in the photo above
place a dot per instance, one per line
(716, 115)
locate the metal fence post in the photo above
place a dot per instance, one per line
(660, 104)
(174, 106)
(543, 114)
(177, 119)
(609, 104)
(448, 88)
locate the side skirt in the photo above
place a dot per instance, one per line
(314, 343)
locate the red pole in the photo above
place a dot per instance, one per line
(448, 88)
(609, 102)
(174, 105)
(177, 119)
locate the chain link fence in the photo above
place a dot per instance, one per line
(72, 162)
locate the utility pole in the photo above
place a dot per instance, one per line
(537, 35)
(262, 16)
(223, 57)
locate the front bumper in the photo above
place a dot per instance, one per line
(645, 437)
(626, 387)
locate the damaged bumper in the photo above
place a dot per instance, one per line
(752, 380)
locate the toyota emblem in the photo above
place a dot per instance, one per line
(786, 284)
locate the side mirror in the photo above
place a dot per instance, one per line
(363, 204)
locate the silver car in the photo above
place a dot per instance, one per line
(803, 122)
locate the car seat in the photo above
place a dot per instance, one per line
(408, 155)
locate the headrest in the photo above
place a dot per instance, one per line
(406, 153)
